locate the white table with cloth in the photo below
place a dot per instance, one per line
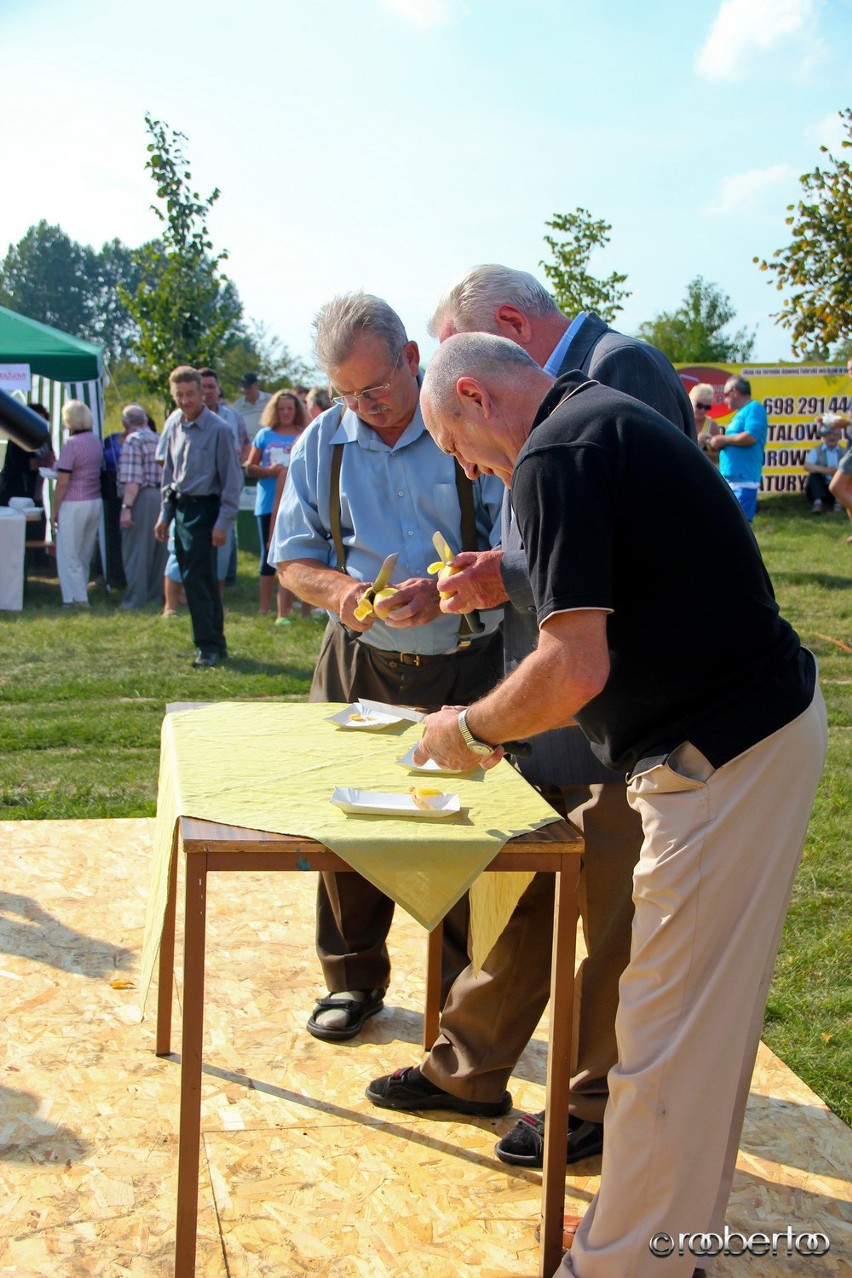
(284, 820)
(13, 531)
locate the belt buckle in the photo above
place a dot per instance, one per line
(410, 658)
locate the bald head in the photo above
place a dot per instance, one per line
(479, 398)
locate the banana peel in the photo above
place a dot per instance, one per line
(443, 566)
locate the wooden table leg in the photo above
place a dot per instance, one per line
(190, 1066)
(558, 1065)
(165, 980)
(432, 1010)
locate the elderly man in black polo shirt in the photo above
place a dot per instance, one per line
(202, 482)
(722, 762)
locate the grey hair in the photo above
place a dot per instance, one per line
(318, 397)
(739, 384)
(339, 324)
(470, 304)
(77, 416)
(134, 415)
(481, 355)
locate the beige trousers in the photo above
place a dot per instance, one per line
(711, 888)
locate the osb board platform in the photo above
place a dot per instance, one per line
(301, 1175)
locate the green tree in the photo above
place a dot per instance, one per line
(186, 310)
(693, 333)
(574, 289)
(45, 276)
(815, 268)
(53, 279)
(116, 271)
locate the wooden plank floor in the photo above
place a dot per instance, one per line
(300, 1173)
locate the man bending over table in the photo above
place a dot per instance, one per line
(722, 767)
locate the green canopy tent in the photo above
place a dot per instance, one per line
(61, 368)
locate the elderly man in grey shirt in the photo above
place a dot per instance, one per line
(202, 482)
(138, 479)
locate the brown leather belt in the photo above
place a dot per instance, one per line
(423, 659)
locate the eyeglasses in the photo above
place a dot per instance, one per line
(706, 407)
(371, 392)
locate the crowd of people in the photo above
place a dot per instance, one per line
(542, 447)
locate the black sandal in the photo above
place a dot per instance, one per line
(357, 1012)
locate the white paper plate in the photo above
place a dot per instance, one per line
(367, 717)
(384, 803)
(431, 768)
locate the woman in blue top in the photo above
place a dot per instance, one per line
(281, 423)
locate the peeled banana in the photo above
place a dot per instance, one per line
(369, 603)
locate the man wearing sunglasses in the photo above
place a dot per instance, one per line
(366, 481)
(740, 448)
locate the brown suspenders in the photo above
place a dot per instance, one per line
(464, 487)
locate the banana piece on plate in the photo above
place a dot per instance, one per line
(419, 795)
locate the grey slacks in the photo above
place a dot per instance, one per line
(144, 557)
(490, 1017)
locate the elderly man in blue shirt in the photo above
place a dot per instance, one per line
(365, 481)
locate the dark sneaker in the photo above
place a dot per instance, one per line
(524, 1144)
(408, 1089)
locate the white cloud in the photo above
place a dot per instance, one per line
(830, 131)
(743, 28)
(742, 192)
(426, 13)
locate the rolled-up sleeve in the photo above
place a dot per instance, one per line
(230, 478)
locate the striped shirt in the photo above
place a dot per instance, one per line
(138, 464)
(82, 456)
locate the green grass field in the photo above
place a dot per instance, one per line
(83, 696)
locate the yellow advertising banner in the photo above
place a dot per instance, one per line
(794, 395)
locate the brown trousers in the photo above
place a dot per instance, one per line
(489, 1018)
(353, 916)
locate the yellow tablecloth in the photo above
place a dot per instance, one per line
(273, 767)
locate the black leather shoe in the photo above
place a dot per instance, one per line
(407, 1089)
(524, 1144)
(206, 660)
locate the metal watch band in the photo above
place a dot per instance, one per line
(476, 747)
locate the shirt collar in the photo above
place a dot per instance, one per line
(557, 355)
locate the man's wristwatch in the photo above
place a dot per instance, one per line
(124, 506)
(476, 747)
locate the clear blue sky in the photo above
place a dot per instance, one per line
(390, 144)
